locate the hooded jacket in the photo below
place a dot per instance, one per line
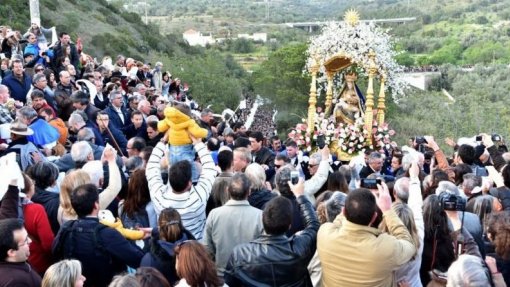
(259, 197)
(177, 124)
(162, 256)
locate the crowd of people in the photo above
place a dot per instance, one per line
(108, 179)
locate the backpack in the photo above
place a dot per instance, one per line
(63, 246)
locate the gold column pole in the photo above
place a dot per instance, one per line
(312, 101)
(381, 107)
(369, 115)
(329, 92)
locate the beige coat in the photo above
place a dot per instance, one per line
(356, 255)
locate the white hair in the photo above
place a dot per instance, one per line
(256, 174)
(80, 151)
(95, 171)
(75, 118)
(447, 186)
(467, 271)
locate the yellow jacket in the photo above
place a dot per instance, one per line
(177, 125)
(358, 256)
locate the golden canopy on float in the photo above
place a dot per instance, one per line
(336, 64)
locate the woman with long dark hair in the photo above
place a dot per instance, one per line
(337, 182)
(164, 239)
(441, 244)
(137, 209)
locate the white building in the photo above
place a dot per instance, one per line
(261, 37)
(195, 38)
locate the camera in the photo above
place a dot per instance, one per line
(294, 177)
(496, 138)
(321, 141)
(370, 183)
(420, 140)
(452, 202)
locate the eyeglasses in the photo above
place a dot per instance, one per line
(39, 70)
(312, 165)
(25, 242)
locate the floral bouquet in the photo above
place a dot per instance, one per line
(381, 135)
(322, 126)
(352, 139)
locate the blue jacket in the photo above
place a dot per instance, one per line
(34, 50)
(115, 118)
(44, 133)
(19, 90)
(118, 136)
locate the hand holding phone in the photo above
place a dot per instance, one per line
(294, 177)
(321, 141)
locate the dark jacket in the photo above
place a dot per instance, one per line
(19, 90)
(118, 136)
(64, 102)
(503, 267)
(265, 156)
(130, 131)
(115, 119)
(101, 104)
(18, 274)
(259, 197)
(276, 260)
(298, 223)
(91, 112)
(51, 202)
(9, 203)
(162, 257)
(58, 51)
(102, 251)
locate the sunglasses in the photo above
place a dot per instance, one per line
(39, 70)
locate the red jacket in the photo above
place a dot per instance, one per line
(39, 230)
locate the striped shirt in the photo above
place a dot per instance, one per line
(191, 204)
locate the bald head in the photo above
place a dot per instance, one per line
(65, 78)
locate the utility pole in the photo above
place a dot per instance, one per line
(146, 18)
(267, 10)
(35, 16)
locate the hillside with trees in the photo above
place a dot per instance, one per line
(453, 35)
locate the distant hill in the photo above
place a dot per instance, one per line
(462, 32)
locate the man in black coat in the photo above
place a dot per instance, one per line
(275, 259)
(102, 250)
(59, 50)
(262, 155)
(374, 165)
